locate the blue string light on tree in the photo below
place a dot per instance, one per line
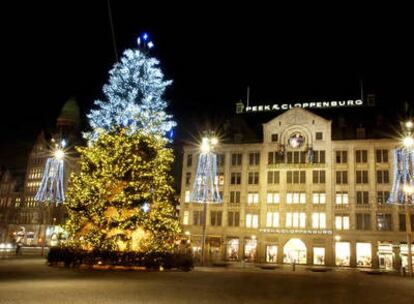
(205, 187)
(52, 185)
(133, 96)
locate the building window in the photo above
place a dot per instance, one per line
(235, 178)
(342, 222)
(342, 253)
(253, 198)
(252, 220)
(341, 198)
(318, 198)
(233, 218)
(382, 197)
(275, 137)
(296, 177)
(187, 178)
(318, 220)
(234, 197)
(318, 135)
(236, 159)
(271, 254)
(318, 256)
(221, 160)
(402, 222)
(384, 222)
(220, 179)
(274, 158)
(189, 160)
(383, 177)
(253, 178)
(296, 198)
(362, 198)
(362, 177)
(361, 156)
(187, 196)
(295, 219)
(381, 156)
(272, 219)
(318, 176)
(233, 249)
(341, 177)
(363, 221)
(254, 159)
(273, 197)
(215, 218)
(198, 217)
(319, 157)
(363, 255)
(296, 157)
(341, 157)
(273, 177)
(186, 217)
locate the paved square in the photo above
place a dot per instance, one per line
(29, 280)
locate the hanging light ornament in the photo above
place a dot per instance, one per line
(51, 187)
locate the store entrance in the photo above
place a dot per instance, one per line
(294, 251)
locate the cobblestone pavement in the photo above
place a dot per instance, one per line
(29, 280)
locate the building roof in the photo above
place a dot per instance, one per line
(70, 112)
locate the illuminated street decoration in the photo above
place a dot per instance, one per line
(51, 187)
(205, 187)
(403, 174)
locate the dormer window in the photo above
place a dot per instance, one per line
(319, 136)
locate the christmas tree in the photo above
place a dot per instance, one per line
(134, 96)
(122, 197)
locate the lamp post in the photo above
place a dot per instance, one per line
(205, 188)
(408, 189)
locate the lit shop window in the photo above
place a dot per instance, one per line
(341, 198)
(250, 247)
(187, 196)
(342, 222)
(273, 198)
(318, 220)
(296, 219)
(272, 219)
(318, 256)
(342, 253)
(252, 220)
(363, 252)
(233, 249)
(271, 254)
(252, 198)
(186, 217)
(296, 198)
(318, 198)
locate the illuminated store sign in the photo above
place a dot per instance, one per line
(296, 231)
(241, 108)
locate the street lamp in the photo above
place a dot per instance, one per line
(205, 188)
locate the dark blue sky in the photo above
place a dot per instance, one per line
(52, 51)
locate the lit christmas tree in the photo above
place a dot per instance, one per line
(134, 96)
(121, 199)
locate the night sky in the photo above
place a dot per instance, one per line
(53, 51)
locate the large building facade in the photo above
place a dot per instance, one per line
(300, 196)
